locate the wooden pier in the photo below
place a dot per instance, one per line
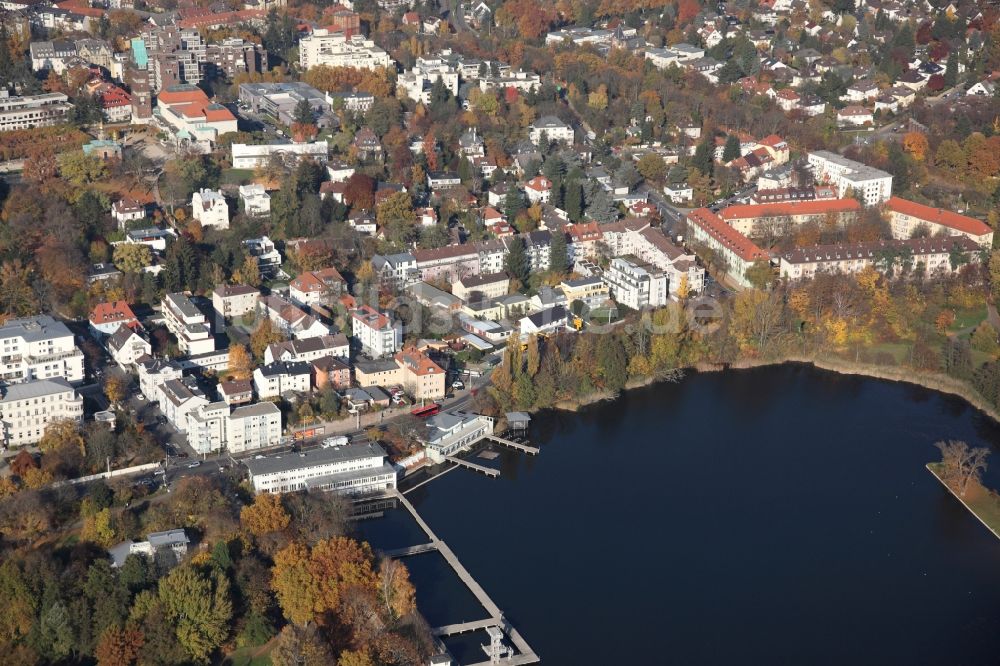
(496, 619)
(488, 471)
(527, 448)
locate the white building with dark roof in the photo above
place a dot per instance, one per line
(210, 208)
(188, 324)
(27, 409)
(354, 469)
(38, 348)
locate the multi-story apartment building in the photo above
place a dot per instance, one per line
(420, 80)
(870, 185)
(920, 257)
(775, 218)
(280, 377)
(27, 409)
(153, 373)
(396, 270)
(908, 217)
(338, 49)
(31, 111)
(355, 469)
(737, 251)
(234, 300)
(592, 291)
(552, 129)
(483, 286)
(38, 348)
(188, 324)
(636, 286)
(377, 333)
(422, 378)
(217, 427)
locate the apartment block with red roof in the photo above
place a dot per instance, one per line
(749, 219)
(906, 217)
(422, 378)
(737, 251)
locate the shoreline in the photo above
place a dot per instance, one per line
(933, 381)
(930, 468)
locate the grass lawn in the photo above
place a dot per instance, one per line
(968, 318)
(898, 350)
(981, 501)
(236, 176)
(251, 656)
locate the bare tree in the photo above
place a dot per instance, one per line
(960, 465)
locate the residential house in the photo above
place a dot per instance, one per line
(188, 324)
(276, 379)
(637, 286)
(320, 287)
(126, 346)
(480, 287)
(255, 200)
(551, 129)
(210, 208)
(308, 350)
(106, 317)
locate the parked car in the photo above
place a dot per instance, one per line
(196, 463)
(458, 384)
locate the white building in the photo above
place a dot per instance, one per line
(636, 286)
(355, 469)
(276, 379)
(32, 111)
(267, 255)
(215, 427)
(396, 270)
(26, 409)
(126, 211)
(178, 398)
(153, 373)
(550, 320)
(126, 347)
(320, 287)
(255, 199)
(450, 432)
(336, 49)
(38, 348)
(309, 350)
(420, 80)
(210, 208)
(157, 544)
(188, 324)
(253, 156)
(678, 192)
(873, 186)
(552, 129)
(377, 333)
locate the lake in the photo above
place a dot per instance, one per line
(781, 515)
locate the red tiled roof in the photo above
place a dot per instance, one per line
(106, 313)
(947, 218)
(371, 317)
(725, 234)
(809, 207)
(418, 362)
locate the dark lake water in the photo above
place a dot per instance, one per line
(773, 516)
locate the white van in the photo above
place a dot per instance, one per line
(335, 441)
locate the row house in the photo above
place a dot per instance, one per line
(309, 350)
(906, 217)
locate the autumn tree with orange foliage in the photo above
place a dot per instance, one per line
(331, 79)
(118, 646)
(528, 17)
(915, 143)
(265, 515)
